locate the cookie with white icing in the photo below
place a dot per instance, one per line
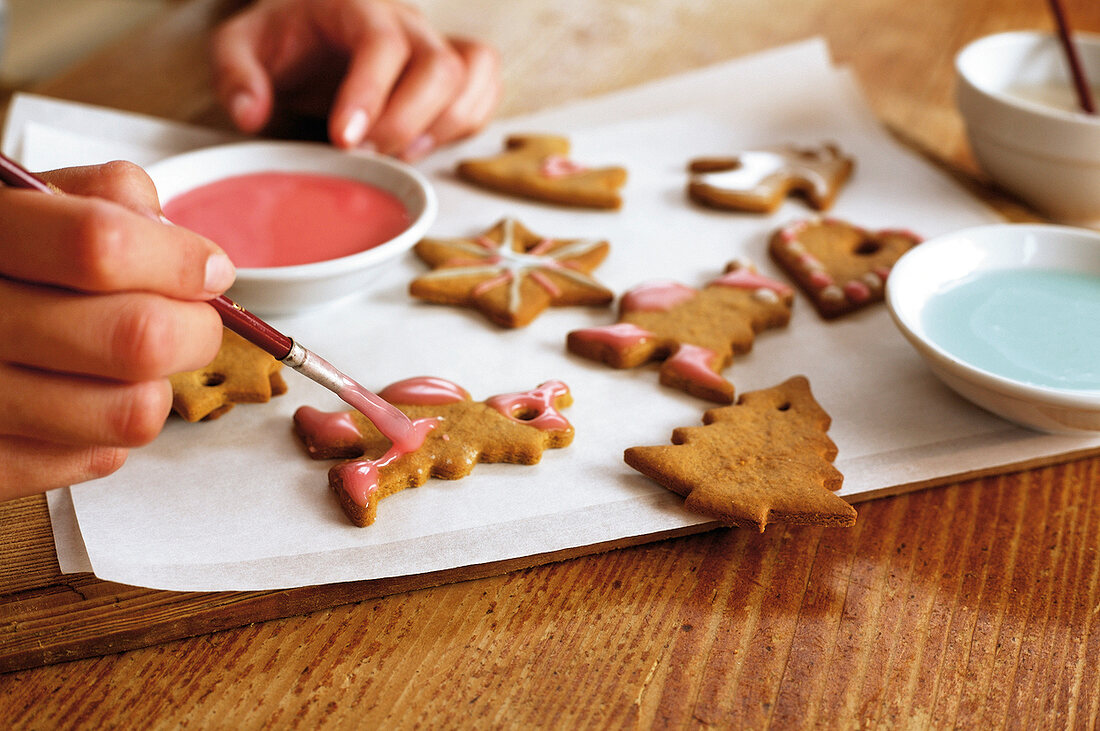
(510, 273)
(760, 180)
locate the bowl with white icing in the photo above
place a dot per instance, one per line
(1025, 125)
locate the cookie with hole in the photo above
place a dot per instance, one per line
(240, 373)
(760, 180)
(461, 433)
(841, 267)
(766, 459)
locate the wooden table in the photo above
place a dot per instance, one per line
(969, 605)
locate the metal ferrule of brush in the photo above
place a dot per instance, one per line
(315, 368)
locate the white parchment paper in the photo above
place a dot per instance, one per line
(236, 504)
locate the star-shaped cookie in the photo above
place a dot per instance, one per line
(510, 273)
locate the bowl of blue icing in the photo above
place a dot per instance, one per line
(1008, 315)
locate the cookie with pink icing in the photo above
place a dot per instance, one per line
(458, 433)
(510, 273)
(538, 167)
(840, 266)
(760, 180)
(695, 333)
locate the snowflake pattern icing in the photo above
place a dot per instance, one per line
(491, 272)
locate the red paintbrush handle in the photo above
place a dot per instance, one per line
(252, 328)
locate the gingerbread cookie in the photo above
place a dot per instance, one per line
(766, 459)
(840, 267)
(513, 428)
(511, 274)
(240, 373)
(695, 332)
(538, 167)
(760, 180)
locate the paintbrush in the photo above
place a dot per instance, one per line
(1080, 83)
(393, 424)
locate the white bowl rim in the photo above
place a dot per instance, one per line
(904, 318)
(258, 149)
(964, 57)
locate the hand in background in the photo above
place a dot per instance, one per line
(393, 82)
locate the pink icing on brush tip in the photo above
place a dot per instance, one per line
(535, 408)
(424, 391)
(656, 297)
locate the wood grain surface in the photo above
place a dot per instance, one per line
(972, 605)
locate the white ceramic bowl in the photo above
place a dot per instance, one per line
(925, 272)
(1024, 125)
(288, 290)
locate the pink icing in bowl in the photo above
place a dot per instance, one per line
(328, 222)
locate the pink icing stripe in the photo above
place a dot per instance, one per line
(748, 279)
(620, 335)
(656, 297)
(559, 166)
(694, 363)
(424, 391)
(544, 281)
(483, 287)
(534, 408)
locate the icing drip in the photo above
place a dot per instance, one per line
(359, 477)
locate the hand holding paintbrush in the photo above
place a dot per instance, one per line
(100, 301)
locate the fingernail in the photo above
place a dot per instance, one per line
(419, 147)
(356, 128)
(239, 106)
(220, 273)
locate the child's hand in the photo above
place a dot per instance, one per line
(100, 301)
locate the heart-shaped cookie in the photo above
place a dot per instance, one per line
(841, 267)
